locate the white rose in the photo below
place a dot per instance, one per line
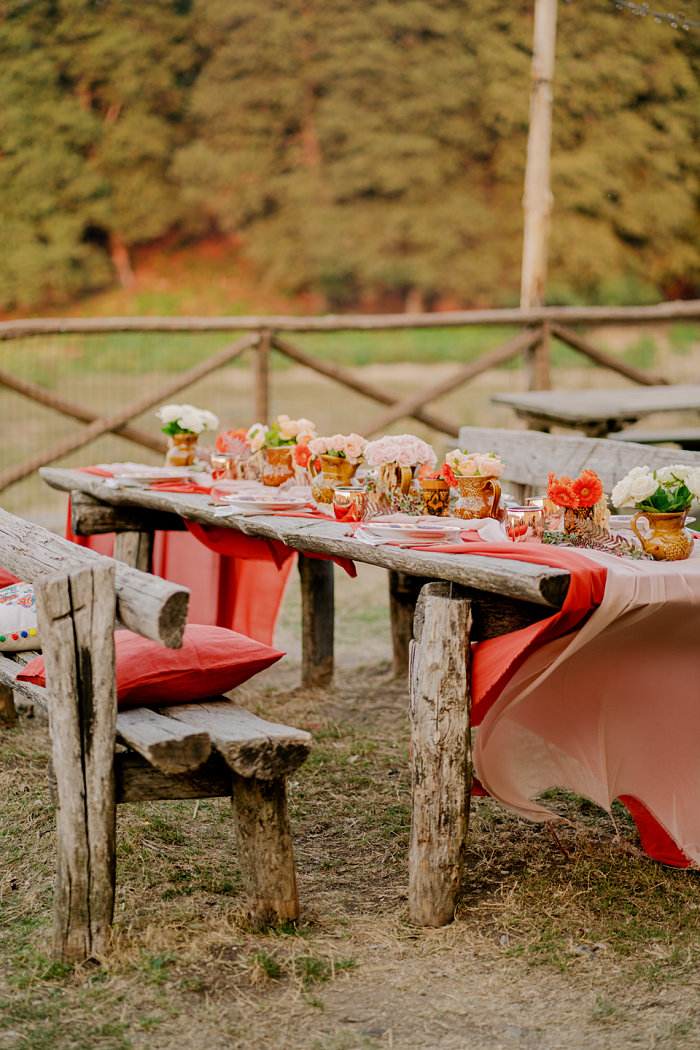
(425, 453)
(391, 449)
(256, 436)
(338, 442)
(679, 471)
(621, 495)
(318, 446)
(664, 475)
(692, 481)
(406, 456)
(289, 428)
(642, 487)
(637, 472)
(373, 453)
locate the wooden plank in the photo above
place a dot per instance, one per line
(668, 311)
(317, 622)
(264, 849)
(69, 408)
(104, 424)
(135, 549)
(76, 623)
(151, 607)
(251, 746)
(165, 743)
(439, 712)
(541, 584)
(686, 437)
(492, 359)
(584, 346)
(136, 780)
(531, 455)
(492, 615)
(9, 669)
(90, 516)
(350, 380)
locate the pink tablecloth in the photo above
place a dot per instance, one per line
(611, 709)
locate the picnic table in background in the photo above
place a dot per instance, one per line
(601, 412)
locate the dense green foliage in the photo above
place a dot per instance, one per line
(361, 148)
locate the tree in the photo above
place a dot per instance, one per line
(94, 96)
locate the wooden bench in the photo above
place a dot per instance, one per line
(203, 750)
(531, 454)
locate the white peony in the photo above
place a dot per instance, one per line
(170, 413)
(642, 487)
(692, 481)
(211, 422)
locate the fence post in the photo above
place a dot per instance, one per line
(262, 377)
(537, 361)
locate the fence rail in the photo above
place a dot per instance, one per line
(539, 325)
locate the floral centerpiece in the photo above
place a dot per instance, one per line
(331, 461)
(580, 500)
(183, 424)
(474, 475)
(232, 451)
(278, 443)
(663, 497)
(394, 459)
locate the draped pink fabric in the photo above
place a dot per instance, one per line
(611, 709)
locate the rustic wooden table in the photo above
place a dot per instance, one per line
(460, 599)
(600, 412)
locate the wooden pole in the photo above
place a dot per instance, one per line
(262, 377)
(403, 595)
(8, 711)
(317, 621)
(439, 710)
(76, 624)
(537, 198)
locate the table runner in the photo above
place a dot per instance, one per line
(608, 710)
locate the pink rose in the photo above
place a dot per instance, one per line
(391, 449)
(354, 447)
(318, 446)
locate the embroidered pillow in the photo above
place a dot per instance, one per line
(18, 628)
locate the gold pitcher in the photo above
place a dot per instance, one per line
(277, 467)
(335, 470)
(664, 539)
(479, 497)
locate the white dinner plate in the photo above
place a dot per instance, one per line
(413, 533)
(266, 506)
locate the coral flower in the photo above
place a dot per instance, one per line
(301, 455)
(448, 474)
(561, 491)
(235, 441)
(588, 488)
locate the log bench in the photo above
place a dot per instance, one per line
(200, 750)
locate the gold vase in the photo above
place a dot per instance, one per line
(335, 471)
(664, 539)
(479, 497)
(436, 497)
(181, 450)
(392, 481)
(277, 465)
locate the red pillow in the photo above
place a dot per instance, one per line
(7, 579)
(212, 661)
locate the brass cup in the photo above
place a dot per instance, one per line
(349, 503)
(228, 463)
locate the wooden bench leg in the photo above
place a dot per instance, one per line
(403, 595)
(135, 549)
(8, 711)
(441, 755)
(76, 623)
(264, 841)
(317, 621)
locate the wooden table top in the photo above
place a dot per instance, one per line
(585, 407)
(542, 584)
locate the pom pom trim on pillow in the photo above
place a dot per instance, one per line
(18, 621)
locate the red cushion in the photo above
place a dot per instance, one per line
(7, 579)
(212, 661)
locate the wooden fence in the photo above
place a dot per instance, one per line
(262, 335)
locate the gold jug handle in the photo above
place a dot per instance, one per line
(633, 526)
(405, 479)
(310, 466)
(496, 491)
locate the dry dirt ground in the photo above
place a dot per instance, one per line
(586, 944)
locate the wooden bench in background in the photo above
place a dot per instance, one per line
(204, 750)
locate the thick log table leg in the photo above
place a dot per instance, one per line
(403, 595)
(8, 711)
(317, 621)
(76, 623)
(264, 842)
(441, 755)
(135, 549)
